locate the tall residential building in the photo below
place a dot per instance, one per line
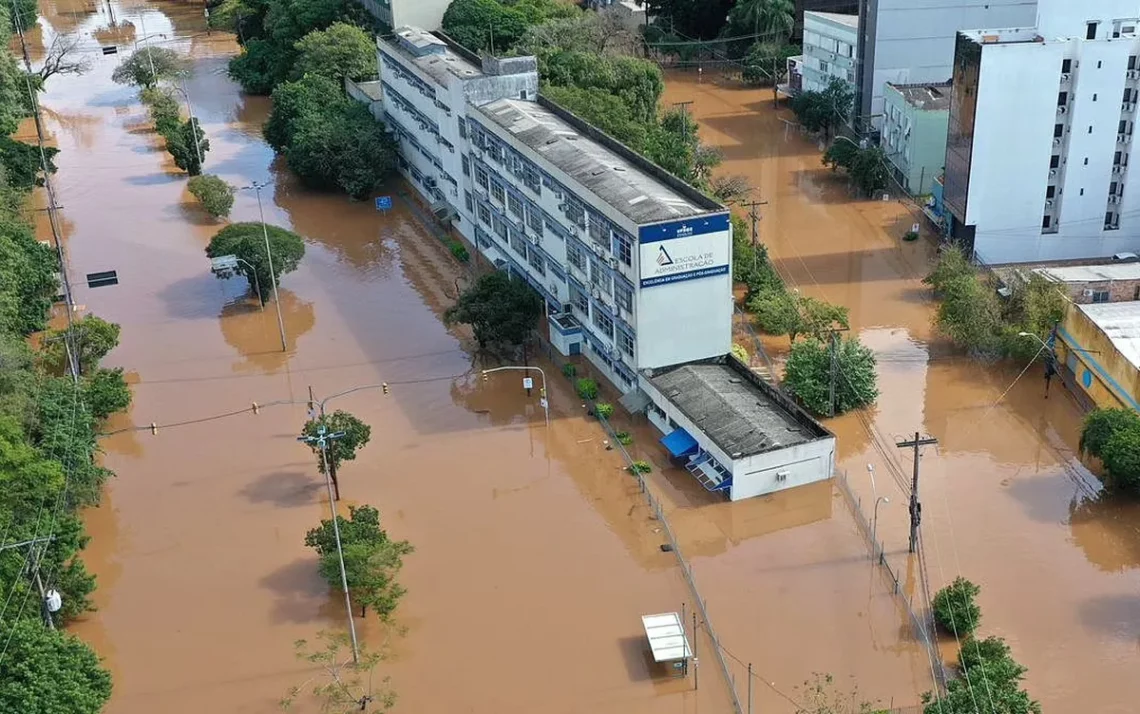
(805, 6)
(830, 43)
(427, 14)
(1040, 135)
(912, 42)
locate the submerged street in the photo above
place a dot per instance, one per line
(535, 554)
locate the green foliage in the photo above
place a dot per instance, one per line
(371, 559)
(21, 163)
(827, 109)
(26, 13)
(569, 370)
(624, 438)
(340, 51)
(294, 100)
(1100, 425)
(502, 312)
(955, 608)
(586, 388)
(702, 19)
(819, 695)
(342, 685)
(989, 686)
(181, 145)
(841, 154)
(604, 410)
(808, 373)
(459, 251)
(750, 263)
(970, 315)
(165, 112)
(910, 236)
(639, 467)
(740, 353)
(93, 338)
(148, 66)
(766, 61)
(779, 312)
(491, 24)
(105, 391)
(975, 652)
(215, 195)
(27, 270)
(869, 170)
(261, 66)
(952, 263)
(247, 241)
(768, 17)
(356, 436)
(49, 672)
(1121, 457)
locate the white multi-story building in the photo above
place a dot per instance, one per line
(427, 14)
(1041, 135)
(830, 44)
(912, 42)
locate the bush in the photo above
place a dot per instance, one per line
(910, 236)
(1121, 457)
(1101, 425)
(587, 388)
(215, 195)
(740, 353)
(459, 251)
(624, 438)
(106, 392)
(808, 374)
(639, 467)
(569, 371)
(165, 112)
(955, 609)
(180, 143)
(952, 263)
(604, 410)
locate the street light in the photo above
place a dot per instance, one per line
(269, 257)
(193, 122)
(225, 265)
(543, 401)
(875, 522)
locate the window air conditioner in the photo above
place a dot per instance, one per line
(1120, 138)
(1133, 74)
(1052, 173)
(1048, 203)
(1066, 77)
(1062, 109)
(1057, 141)
(1086, 293)
(613, 262)
(599, 250)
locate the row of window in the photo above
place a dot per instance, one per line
(390, 63)
(409, 137)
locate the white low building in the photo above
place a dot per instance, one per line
(830, 50)
(426, 14)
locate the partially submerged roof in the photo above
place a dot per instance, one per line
(1092, 273)
(615, 179)
(1120, 322)
(741, 414)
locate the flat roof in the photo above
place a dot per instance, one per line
(729, 404)
(432, 55)
(839, 18)
(1092, 273)
(666, 636)
(615, 179)
(1120, 321)
(928, 97)
(1004, 35)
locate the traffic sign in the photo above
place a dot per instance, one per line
(383, 203)
(528, 383)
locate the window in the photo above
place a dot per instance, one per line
(497, 192)
(1045, 222)
(518, 243)
(481, 177)
(1094, 96)
(500, 228)
(576, 214)
(462, 128)
(1100, 296)
(1122, 127)
(823, 67)
(580, 300)
(1055, 161)
(600, 232)
(1058, 130)
(623, 296)
(1108, 219)
(534, 219)
(530, 178)
(604, 323)
(514, 205)
(1127, 94)
(469, 201)
(1116, 159)
(600, 278)
(537, 262)
(484, 214)
(625, 342)
(623, 249)
(1066, 66)
(1050, 191)
(1062, 99)
(1132, 62)
(466, 166)
(1112, 189)
(575, 257)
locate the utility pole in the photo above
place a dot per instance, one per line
(321, 440)
(915, 506)
(834, 373)
(45, 607)
(684, 117)
(269, 260)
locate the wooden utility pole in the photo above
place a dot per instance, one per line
(685, 117)
(915, 506)
(754, 216)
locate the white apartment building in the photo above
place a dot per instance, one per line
(912, 42)
(426, 14)
(830, 44)
(1040, 135)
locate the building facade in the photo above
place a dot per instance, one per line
(634, 264)
(1040, 136)
(912, 42)
(1098, 348)
(915, 117)
(830, 46)
(1092, 284)
(426, 14)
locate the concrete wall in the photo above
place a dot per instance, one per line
(828, 44)
(1118, 290)
(1105, 376)
(919, 156)
(777, 470)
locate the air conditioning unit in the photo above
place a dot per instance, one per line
(1048, 203)
(1052, 173)
(430, 182)
(596, 292)
(1113, 200)
(599, 250)
(1133, 74)
(1086, 293)
(1065, 77)
(1120, 138)
(1062, 109)
(1057, 141)
(533, 238)
(613, 262)
(1118, 169)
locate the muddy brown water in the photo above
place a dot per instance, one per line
(1007, 501)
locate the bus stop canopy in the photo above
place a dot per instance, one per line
(666, 637)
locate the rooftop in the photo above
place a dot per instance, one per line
(435, 57)
(1092, 273)
(611, 172)
(928, 97)
(836, 17)
(1005, 35)
(740, 413)
(1120, 321)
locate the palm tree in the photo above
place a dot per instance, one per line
(768, 17)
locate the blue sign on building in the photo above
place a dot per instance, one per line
(383, 203)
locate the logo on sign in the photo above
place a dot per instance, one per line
(663, 257)
(684, 230)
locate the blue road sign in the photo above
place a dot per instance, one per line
(383, 203)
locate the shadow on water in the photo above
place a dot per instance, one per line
(1107, 528)
(287, 488)
(1115, 615)
(300, 596)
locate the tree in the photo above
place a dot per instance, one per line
(247, 241)
(819, 696)
(312, 94)
(1121, 457)
(27, 270)
(92, 338)
(27, 11)
(779, 312)
(371, 559)
(181, 145)
(969, 315)
(23, 164)
(809, 370)
(869, 170)
(48, 672)
(348, 150)
(952, 263)
(261, 65)
(64, 56)
(356, 436)
(955, 608)
(730, 189)
(340, 51)
(343, 686)
(483, 25)
(105, 391)
(702, 19)
(975, 652)
(1100, 425)
(165, 112)
(824, 110)
(767, 62)
(840, 155)
(148, 66)
(215, 195)
(763, 17)
(501, 311)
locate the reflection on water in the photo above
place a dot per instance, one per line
(1107, 528)
(252, 330)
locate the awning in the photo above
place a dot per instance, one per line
(679, 442)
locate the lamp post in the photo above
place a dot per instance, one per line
(543, 401)
(193, 121)
(269, 257)
(875, 520)
(227, 263)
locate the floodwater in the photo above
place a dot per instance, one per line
(535, 554)
(1007, 502)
